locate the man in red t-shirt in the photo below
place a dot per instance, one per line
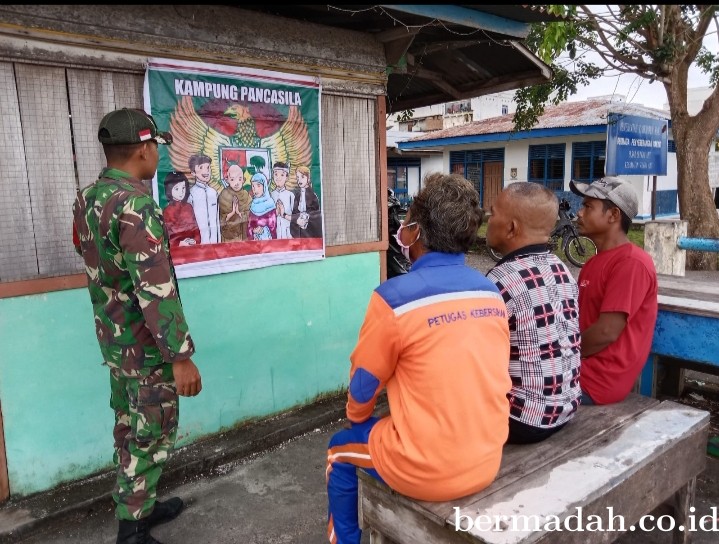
(617, 293)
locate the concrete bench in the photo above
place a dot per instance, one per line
(633, 456)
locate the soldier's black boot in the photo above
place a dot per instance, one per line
(165, 511)
(135, 532)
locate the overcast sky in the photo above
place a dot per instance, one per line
(635, 89)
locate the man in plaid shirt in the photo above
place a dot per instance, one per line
(541, 297)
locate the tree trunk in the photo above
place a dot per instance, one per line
(696, 203)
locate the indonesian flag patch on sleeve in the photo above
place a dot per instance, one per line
(145, 134)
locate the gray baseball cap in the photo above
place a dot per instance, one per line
(617, 190)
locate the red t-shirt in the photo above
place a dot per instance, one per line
(624, 280)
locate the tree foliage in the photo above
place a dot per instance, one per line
(404, 116)
(656, 43)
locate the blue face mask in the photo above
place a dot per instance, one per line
(404, 248)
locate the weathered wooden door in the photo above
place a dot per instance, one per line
(474, 174)
(491, 183)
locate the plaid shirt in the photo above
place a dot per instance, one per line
(541, 297)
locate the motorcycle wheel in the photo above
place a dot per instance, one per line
(579, 249)
(494, 254)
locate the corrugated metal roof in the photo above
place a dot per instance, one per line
(590, 112)
(439, 53)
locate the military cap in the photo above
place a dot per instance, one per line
(130, 126)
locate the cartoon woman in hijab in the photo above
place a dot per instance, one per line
(262, 224)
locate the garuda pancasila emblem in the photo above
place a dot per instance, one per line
(222, 123)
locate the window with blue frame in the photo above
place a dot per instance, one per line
(469, 164)
(400, 175)
(546, 165)
(588, 159)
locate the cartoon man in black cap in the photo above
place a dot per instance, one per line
(140, 324)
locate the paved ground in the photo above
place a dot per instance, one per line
(481, 260)
(268, 490)
(274, 496)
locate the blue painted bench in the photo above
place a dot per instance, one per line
(687, 331)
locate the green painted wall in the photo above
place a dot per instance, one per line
(267, 340)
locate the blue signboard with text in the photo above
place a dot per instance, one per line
(636, 145)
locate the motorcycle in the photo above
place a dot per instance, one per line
(397, 264)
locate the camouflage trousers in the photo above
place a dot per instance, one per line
(146, 414)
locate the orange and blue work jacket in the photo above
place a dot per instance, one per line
(437, 338)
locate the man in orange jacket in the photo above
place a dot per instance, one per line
(437, 339)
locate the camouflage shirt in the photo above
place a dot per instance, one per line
(121, 236)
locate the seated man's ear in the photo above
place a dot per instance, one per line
(513, 228)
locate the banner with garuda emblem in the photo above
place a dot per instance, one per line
(240, 186)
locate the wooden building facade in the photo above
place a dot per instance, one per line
(63, 67)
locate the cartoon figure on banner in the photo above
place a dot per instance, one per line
(262, 223)
(306, 216)
(284, 199)
(203, 199)
(234, 206)
(179, 216)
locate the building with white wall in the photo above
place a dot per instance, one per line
(405, 169)
(695, 99)
(456, 113)
(568, 142)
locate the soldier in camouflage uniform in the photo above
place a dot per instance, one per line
(140, 325)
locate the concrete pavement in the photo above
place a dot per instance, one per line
(271, 497)
(272, 500)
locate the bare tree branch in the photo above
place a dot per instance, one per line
(696, 36)
(609, 50)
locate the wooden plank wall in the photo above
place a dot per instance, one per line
(333, 201)
(381, 124)
(44, 108)
(57, 111)
(92, 95)
(18, 254)
(127, 89)
(350, 184)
